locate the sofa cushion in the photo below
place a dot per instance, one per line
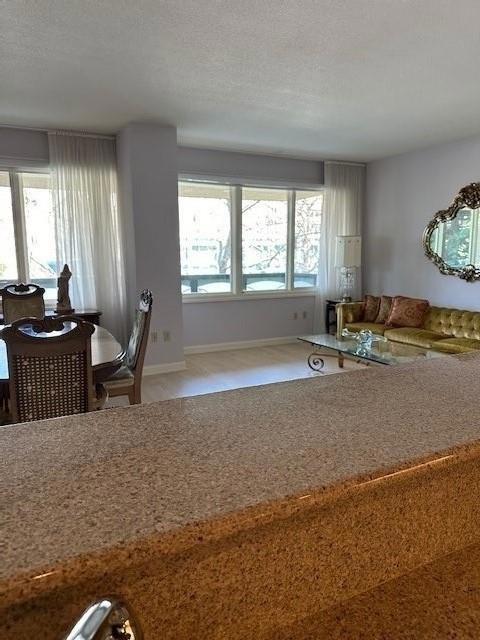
(407, 312)
(453, 322)
(370, 309)
(368, 326)
(416, 337)
(384, 309)
(457, 345)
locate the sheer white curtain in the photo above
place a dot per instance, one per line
(342, 214)
(89, 230)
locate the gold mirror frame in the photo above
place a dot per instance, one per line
(469, 197)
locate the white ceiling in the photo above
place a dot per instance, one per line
(352, 79)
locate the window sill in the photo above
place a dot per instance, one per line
(190, 298)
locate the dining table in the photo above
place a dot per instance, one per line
(107, 355)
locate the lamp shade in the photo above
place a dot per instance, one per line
(348, 251)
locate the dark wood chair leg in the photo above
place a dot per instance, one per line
(101, 396)
(135, 394)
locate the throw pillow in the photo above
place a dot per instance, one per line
(384, 309)
(407, 312)
(370, 309)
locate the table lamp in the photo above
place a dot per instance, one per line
(348, 260)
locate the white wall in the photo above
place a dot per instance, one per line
(207, 323)
(23, 147)
(403, 194)
(30, 147)
(249, 167)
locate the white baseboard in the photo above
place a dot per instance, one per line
(168, 367)
(242, 344)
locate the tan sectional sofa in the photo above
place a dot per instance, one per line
(444, 329)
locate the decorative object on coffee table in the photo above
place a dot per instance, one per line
(63, 298)
(365, 340)
(348, 260)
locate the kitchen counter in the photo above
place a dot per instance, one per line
(437, 600)
(272, 502)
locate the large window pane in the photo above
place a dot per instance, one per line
(264, 239)
(40, 231)
(8, 257)
(308, 216)
(205, 238)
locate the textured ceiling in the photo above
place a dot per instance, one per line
(352, 79)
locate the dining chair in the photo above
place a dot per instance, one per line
(4, 414)
(127, 381)
(50, 369)
(22, 301)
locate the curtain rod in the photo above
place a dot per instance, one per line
(348, 164)
(84, 134)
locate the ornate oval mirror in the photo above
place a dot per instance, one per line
(452, 239)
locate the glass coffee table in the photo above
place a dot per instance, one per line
(387, 353)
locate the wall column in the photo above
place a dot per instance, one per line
(147, 164)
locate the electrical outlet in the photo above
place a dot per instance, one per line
(304, 315)
(166, 336)
(154, 336)
(295, 315)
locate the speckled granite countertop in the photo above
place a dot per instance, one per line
(82, 485)
(440, 600)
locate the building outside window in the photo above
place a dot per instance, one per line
(243, 239)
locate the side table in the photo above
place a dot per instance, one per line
(331, 322)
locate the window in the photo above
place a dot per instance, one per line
(8, 256)
(244, 239)
(308, 217)
(205, 238)
(27, 229)
(264, 239)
